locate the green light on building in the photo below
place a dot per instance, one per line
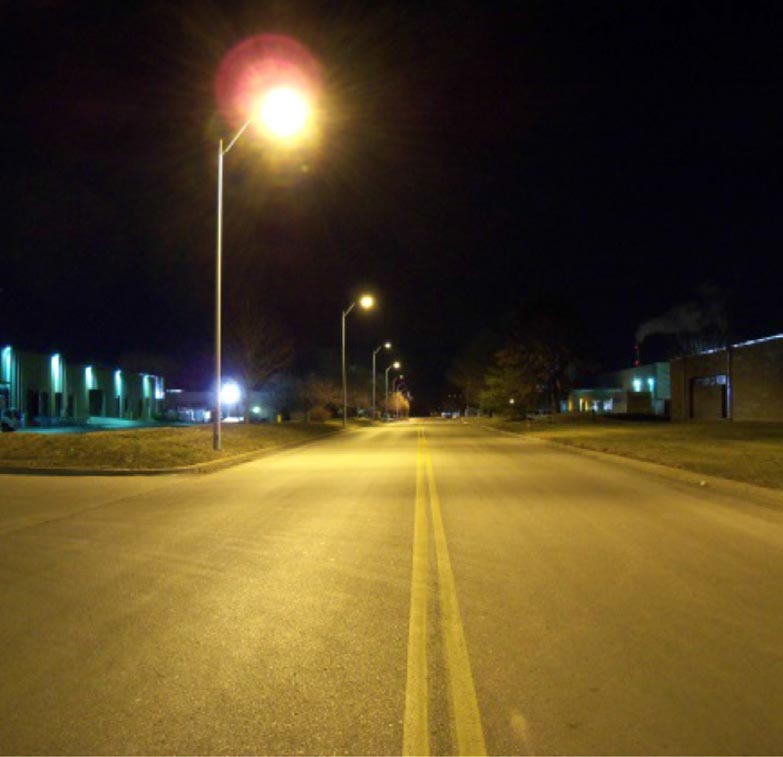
(56, 364)
(6, 364)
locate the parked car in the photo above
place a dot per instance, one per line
(540, 414)
(10, 420)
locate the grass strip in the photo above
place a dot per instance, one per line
(149, 448)
(742, 451)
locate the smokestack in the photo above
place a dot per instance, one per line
(637, 356)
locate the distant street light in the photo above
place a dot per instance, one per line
(283, 113)
(230, 393)
(396, 365)
(387, 346)
(366, 301)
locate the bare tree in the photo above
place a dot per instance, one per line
(399, 405)
(256, 349)
(468, 371)
(318, 392)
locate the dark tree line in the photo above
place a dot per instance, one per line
(529, 364)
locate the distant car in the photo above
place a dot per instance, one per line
(10, 420)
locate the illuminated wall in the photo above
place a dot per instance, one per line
(49, 390)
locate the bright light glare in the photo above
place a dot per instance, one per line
(256, 409)
(387, 345)
(284, 112)
(396, 365)
(367, 301)
(230, 393)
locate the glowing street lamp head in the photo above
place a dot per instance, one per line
(284, 112)
(367, 301)
(275, 79)
(396, 365)
(387, 345)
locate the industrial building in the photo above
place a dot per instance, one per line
(641, 390)
(48, 390)
(742, 382)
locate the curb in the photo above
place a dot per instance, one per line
(726, 486)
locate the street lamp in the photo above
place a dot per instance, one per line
(396, 365)
(283, 113)
(387, 346)
(366, 301)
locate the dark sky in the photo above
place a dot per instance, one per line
(617, 156)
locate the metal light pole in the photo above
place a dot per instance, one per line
(216, 427)
(386, 345)
(366, 301)
(345, 375)
(394, 365)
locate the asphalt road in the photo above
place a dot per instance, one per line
(420, 587)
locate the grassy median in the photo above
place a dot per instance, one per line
(149, 448)
(748, 452)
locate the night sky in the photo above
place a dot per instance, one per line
(615, 156)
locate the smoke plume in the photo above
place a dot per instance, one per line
(705, 317)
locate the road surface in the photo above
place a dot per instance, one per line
(422, 587)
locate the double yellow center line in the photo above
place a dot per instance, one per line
(464, 706)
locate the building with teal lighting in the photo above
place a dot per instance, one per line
(47, 390)
(640, 390)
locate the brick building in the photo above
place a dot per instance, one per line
(742, 382)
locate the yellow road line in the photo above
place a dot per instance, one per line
(470, 736)
(415, 740)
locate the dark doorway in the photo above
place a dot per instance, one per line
(95, 402)
(31, 406)
(708, 398)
